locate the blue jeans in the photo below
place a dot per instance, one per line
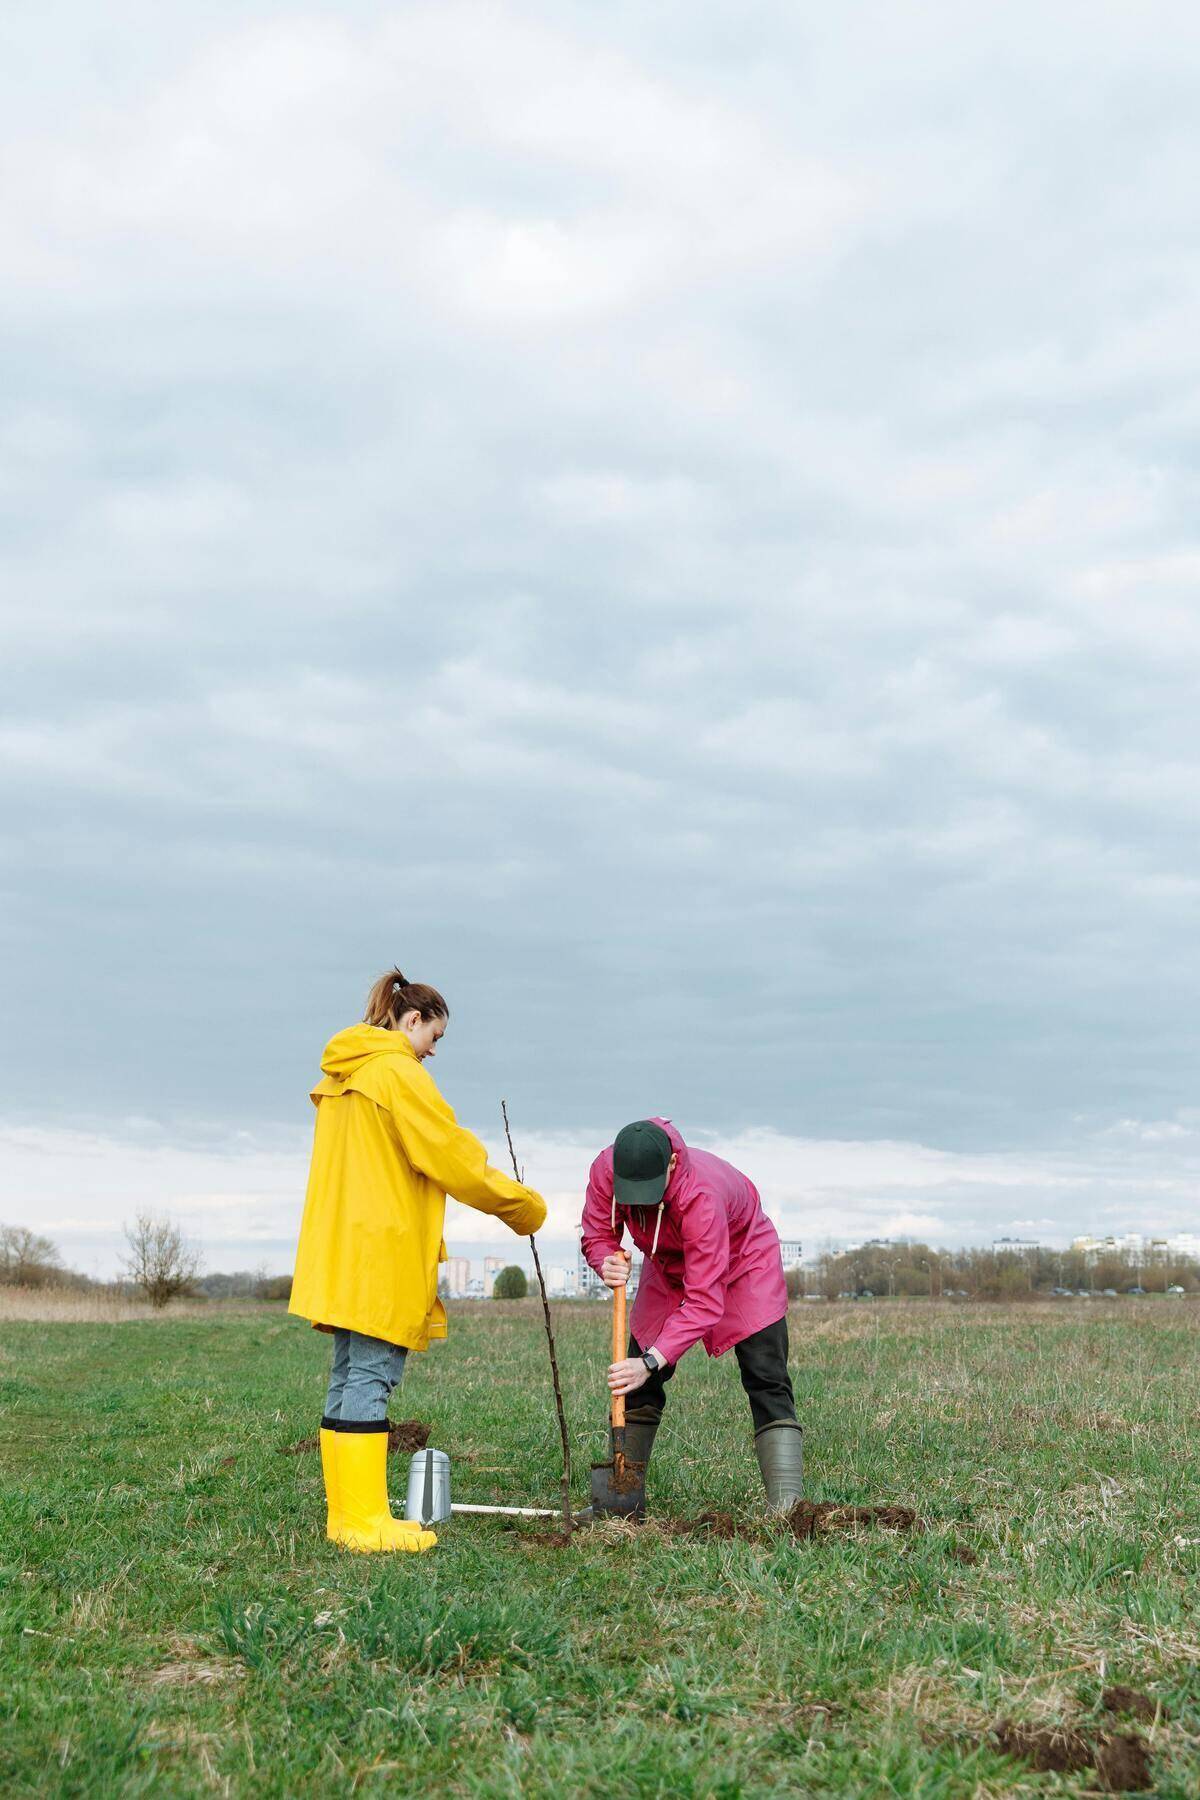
(365, 1370)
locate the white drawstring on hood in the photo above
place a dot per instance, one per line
(657, 1223)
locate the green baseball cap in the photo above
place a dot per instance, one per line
(641, 1154)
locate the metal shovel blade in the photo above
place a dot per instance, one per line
(619, 1487)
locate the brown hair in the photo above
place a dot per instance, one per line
(393, 995)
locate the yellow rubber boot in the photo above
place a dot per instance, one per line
(365, 1519)
(333, 1512)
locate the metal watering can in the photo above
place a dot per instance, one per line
(428, 1498)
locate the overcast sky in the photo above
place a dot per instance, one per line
(677, 523)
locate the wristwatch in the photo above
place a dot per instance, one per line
(650, 1362)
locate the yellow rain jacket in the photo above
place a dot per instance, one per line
(386, 1153)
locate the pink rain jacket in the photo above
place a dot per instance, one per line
(716, 1274)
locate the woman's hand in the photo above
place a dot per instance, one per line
(627, 1376)
(614, 1270)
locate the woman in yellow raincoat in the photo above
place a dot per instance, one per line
(387, 1151)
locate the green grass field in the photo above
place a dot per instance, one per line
(173, 1620)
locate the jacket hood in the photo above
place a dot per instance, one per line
(346, 1053)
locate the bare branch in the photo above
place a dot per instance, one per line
(558, 1399)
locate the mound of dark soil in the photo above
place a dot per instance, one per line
(1050, 1749)
(962, 1553)
(1123, 1764)
(1129, 1700)
(407, 1435)
(812, 1518)
(404, 1436)
(1121, 1759)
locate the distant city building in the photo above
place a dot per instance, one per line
(560, 1283)
(1015, 1246)
(492, 1266)
(457, 1277)
(792, 1252)
(1138, 1247)
(587, 1282)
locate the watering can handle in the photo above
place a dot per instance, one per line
(618, 1351)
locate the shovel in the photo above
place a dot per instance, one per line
(618, 1487)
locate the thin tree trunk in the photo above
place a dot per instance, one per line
(558, 1399)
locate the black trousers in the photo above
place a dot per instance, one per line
(762, 1364)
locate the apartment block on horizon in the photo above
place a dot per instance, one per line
(457, 1276)
(1138, 1247)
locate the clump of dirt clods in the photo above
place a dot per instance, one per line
(1121, 1759)
(407, 1435)
(1123, 1764)
(812, 1518)
(549, 1540)
(962, 1553)
(1050, 1749)
(1120, 1699)
(404, 1436)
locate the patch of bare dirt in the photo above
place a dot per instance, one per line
(404, 1436)
(1050, 1749)
(1123, 1764)
(407, 1435)
(813, 1518)
(962, 1553)
(1120, 1699)
(1121, 1759)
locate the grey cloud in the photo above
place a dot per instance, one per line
(681, 530)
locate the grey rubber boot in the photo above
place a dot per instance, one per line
(780, 1452)
(641, 1423)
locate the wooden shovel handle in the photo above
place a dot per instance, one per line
(618, 1351)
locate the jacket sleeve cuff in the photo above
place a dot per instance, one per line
(596, 1249)
(529, 1217)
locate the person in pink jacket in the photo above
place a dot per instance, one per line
(712, 1274)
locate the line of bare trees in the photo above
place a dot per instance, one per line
(159, 1263)
(29, 1260)
(912, 1269)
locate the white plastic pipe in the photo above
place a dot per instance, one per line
(521, 1512)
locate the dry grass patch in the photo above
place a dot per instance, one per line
(66, 1306)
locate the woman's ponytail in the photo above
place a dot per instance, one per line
(392, 996)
